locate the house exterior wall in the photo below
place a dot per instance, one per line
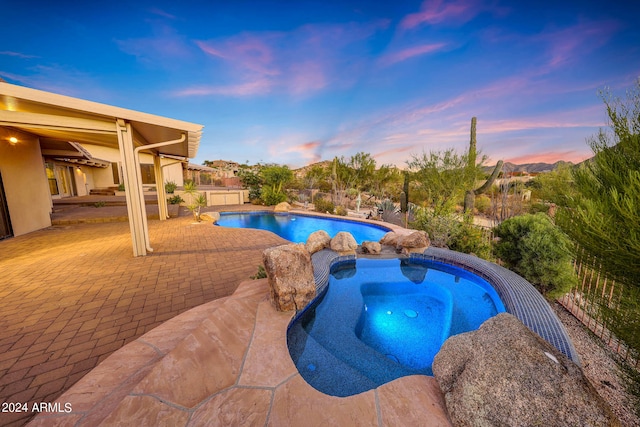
(25, 182)
(103, 178)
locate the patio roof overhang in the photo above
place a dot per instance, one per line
(54, 118)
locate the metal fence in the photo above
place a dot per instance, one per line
(584, 300)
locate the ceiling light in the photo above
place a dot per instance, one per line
(13, 140)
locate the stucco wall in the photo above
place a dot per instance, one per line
(104, 177)
(25, 182)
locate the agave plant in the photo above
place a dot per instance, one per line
(388, 211)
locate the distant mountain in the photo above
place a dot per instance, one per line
(529, 167)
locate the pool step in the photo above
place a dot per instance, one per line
(325, 372)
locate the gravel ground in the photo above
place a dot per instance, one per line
(600, 367)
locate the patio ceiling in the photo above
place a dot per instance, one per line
(58, 117)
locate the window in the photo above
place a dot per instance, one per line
(51, 177)
(115, 170)
(148, 176)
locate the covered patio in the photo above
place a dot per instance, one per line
(29, 113)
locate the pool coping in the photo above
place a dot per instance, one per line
(520, 298)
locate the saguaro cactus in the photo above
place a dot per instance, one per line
(470, 195)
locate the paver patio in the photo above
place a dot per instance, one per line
(71, 295)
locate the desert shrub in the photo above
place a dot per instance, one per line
(341, 210)
(261, 274)
(322, 205)
(271, 196)
(440, 228)
(100, 204)
(470, 239)
(483, 204)
(532, 246)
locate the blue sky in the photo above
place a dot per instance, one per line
(294, 82)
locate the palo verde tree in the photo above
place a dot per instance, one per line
(472, 170)
(439, 179)
(356, 173)
(603, 217)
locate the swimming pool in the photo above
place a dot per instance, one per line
(297, 228)
(382, 319)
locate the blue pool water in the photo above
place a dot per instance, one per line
(297, 228)
(379, 320)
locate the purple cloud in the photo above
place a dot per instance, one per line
(302, 61)
(404, 54)
(438, 11)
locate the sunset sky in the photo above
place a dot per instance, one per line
(295, 82)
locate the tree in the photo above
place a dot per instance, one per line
(603, 217)
(314, 176)
(274, 179)
(363, 167)
(440, 179)
(251, 181)
(357, 173)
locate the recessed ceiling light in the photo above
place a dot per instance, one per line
(13, 140)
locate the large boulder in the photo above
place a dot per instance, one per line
(390, 239)
(290, 274)
(504, 374)
(417, 242)
(373, 248)
(282, 207)
(344, 243)
(210, 216)
(317, 241)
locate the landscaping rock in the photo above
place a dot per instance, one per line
(210, 216)
(290, 274)
(373, 248)
(344, 243)
(416, 242)
(282, 207)
(317, 241)
(390, 239)
(504, 374)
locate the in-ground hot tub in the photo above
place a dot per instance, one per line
(381, 319)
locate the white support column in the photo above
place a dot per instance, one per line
(133, 185)
(163, 212)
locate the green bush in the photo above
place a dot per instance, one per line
(272, 197)
(121, 187)
(175, 200)
(440, 228)
(532, 246)
(322, 205)
(470, 239)
(261, 274)
(341, 210)
(170, 187)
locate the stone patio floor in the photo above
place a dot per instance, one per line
(72, 295)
